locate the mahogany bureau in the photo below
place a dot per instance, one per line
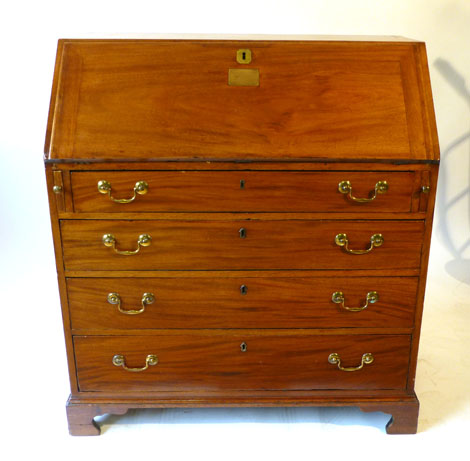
(241, 222)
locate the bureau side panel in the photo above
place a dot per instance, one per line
(434, 169)
(60, 275)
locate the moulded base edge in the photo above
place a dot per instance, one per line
(403, 409)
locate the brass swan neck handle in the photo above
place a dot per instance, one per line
(140, 188)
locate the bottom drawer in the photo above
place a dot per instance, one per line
(251, 360)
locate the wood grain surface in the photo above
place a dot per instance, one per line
(211, 362)
(206, 245)
(216, 302)
(171, 99)
(235, 191)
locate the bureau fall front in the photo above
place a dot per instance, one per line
(241, 222)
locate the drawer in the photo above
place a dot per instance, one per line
(248, 191)
(239, 244)
(204, 361)
(241, 302)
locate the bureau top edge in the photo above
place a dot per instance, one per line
(246, 37)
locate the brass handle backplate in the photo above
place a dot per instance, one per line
(120, 361)
(345, 187)
(371, 298)
(335, 359)
(144, 240)
(115, 298)
(376, 240)
(141, 188)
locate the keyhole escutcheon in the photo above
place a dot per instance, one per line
(244, 56)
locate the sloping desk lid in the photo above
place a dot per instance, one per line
(192, 99)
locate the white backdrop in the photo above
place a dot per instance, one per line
(33, 367)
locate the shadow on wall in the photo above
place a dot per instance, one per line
(458, 268)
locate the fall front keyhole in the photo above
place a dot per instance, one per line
(244, 56)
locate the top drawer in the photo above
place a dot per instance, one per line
(242, 191)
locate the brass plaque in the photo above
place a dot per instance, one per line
(243, 77)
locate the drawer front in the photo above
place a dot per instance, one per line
(241, 302)
(216, 245)
(200, 191)
(202, 361)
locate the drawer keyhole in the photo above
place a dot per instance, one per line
(242, 232)
(243, 347)
(243, 289)
(242, 184)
